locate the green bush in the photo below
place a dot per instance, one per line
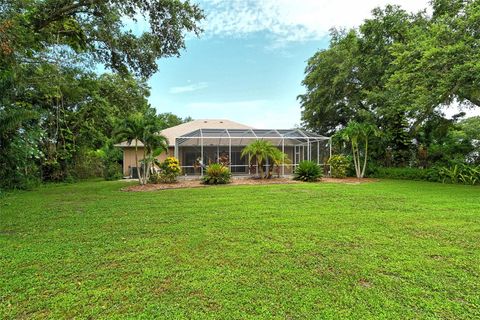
(217, 173)
(112, 171)
(460, 173)
(307, 171)
(87, 164)
(169, 170)
(339, 165)
(111, 158)
(455, 173)
(406, 174)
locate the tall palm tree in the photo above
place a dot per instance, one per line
(262, 151)
(358, 133)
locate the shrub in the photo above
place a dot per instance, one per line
(407, 174)
(155, 178)
(112, 171)
(460, 173)
(169, 170)
(339, 165)
(87, 164)
(111, 159)
(456, 173)
(307, 171)
(217, 173)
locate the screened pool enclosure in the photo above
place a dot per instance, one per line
(201, 147)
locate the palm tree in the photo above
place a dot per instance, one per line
(262, 151)
(278, 158)
(132, 129)
(144, 128)
(155, 144)
(356, 133)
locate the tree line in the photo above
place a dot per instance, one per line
(399, 72)
(71, 71)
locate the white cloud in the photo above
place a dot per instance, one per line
(188, 88)
(291, 20)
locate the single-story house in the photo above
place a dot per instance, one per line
(200, 142)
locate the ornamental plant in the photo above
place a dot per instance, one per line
(170, 170)
(338, 165)
(217, 173)
(308, 171)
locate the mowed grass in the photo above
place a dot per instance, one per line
(389, 249)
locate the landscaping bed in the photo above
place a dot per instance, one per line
(239, 181)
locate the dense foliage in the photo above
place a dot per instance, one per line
(56, 108)
(169, 170)
(399, 72)
(307, 171)
(456, 173)
(217, 173)
(359, 135)
(339, 165)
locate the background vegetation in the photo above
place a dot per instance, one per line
(57, 110)
(400, 72)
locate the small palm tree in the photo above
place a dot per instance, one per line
(278, 158)
(261, 150)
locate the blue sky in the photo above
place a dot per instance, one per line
(237, 79)
(249, 63)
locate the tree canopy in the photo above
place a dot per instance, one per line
(71, 70)
(398, 71)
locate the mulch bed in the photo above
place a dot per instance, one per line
(243, 181)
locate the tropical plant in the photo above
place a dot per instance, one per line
(470, 175)
(307, 171)
(132, 129)
(338, 165)
(217, 173)
(262, 151)
(358, 134)
(143, 128)
(169, 170)
(460, 173)
(278, 158)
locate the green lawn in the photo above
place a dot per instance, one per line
(391, 249)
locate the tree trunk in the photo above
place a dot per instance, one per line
(260, 169)
(365, 160)
(144, 166)
(359, 163)
(356, 159)
(136, 161)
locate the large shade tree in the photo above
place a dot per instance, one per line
(397, 71)
(50, 52)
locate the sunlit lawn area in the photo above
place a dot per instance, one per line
(389, 249)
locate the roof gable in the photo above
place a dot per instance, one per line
(184, 128)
